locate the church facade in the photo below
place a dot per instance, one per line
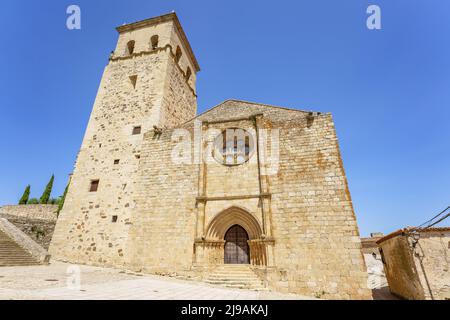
(157, 188)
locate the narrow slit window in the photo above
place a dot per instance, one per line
(178, 54)
(136, 130)
(130, 47)
(94, 185)
(188, 73)
(154, 41)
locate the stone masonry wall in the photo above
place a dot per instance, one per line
(400, 269)
(432, 260)
(313, 218)
(31, 211)
(93, 227)
(179, 101)
(317, 245)
(86, 232)
(162, 234)
(421, 270)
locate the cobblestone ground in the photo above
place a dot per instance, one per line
(51, 282)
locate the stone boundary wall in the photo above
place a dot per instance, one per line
(24, 241)
(31, 211)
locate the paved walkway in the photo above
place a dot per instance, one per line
(58, 281)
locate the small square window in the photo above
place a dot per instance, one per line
(137, 130)
(94, 185)
(114, 219)
(116, 161)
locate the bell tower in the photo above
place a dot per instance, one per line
(149, 81)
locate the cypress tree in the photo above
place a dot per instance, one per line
(61, 201)
(48, 190)
(25, 196)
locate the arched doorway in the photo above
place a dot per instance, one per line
(236, 246)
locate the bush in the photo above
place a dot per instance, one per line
(54, 201)
(33, 201)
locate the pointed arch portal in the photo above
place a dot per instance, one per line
(233, 236)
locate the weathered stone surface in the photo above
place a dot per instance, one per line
(31, 211)
(37, 221)
(173, 211)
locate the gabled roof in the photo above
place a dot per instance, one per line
(259, 108)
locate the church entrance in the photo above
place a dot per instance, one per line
(236, 246)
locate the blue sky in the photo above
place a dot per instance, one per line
(388, 89)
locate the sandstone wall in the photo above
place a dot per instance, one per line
(31, 211)
(93, 227)
(162, 234)
(432, 260)
(179, 101)
(400, 269)
(317, 249)
(35, 220)
(418, 270)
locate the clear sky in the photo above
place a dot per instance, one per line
(387, 89)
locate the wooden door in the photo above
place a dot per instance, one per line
(236, 246)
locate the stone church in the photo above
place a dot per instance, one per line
(244, 191)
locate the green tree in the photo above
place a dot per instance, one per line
(62, 199)
(25, 196)
(48, 190)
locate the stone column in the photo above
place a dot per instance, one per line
(200, 234)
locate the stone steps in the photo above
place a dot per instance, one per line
(11, 254)
(235, 276)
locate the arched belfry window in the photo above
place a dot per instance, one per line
(233, 146)
(130, 47)
(154, 41)
(188, 73)
(178, 54)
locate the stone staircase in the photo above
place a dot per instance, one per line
(235, 276)
(11, 254)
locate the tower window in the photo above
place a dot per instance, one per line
(116, 161)
(188, 73)
(130, 47)
(133, 80)
(178, 54)
(94, 185)
(154, 41)
(114, 219)
(136, 130)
